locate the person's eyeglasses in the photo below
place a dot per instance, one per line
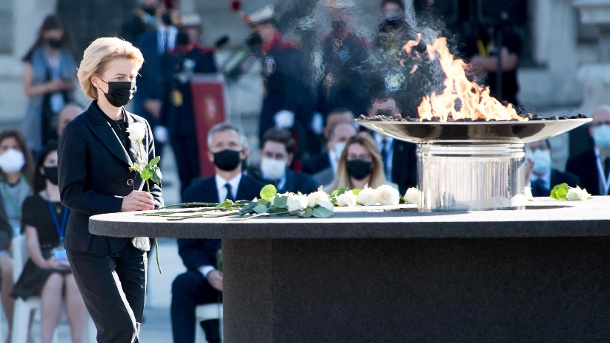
(361, 157)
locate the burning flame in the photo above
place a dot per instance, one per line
(473, 101)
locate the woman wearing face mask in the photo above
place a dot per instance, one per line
(95, 155)
(49, 72)
(360, 165)
(47, 273)
(16, 173)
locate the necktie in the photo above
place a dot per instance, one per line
(230, 195)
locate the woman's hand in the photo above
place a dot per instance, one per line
(138, 201)
(53, 263)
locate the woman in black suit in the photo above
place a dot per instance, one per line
(95, 154)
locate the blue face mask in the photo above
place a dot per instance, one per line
(542, 161)
(601, 136)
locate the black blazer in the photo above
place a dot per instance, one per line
(94, 176)
(404, 165)
(557, 178)
(585, 167)
(202, 252)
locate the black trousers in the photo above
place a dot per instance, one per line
(113, 288)
(186, 154)
(190, 289)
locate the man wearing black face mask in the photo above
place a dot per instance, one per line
(202, 282)
(345, 54)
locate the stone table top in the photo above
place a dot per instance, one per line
(543, 217)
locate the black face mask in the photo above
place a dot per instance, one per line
(227, 159)
(120, 92)
(166, 19)
(55, 43)
(359, 169)
(51, 174)
(394, 19)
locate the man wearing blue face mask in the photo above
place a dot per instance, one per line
(593, 167)
(277, 151)
(542, 176)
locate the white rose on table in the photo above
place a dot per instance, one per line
(367, 197)
(387, 195)
(296, 202)
(137, 131)
(347, 199)
(413, 196)
(317, 197)
(577, 194)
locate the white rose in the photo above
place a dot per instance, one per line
(387, 195)
(347, 199)
(317, 197)
(296, 202)
(367, 197)
(136, 131)
(413, 196)
(575, 194)
(527, 191)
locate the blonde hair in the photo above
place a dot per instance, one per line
(97, 56)
(342, 179)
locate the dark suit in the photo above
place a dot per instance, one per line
(295, 182)
(316, 164)
(191, 288)
(93, 177)
(557, 178)
(585, 167)
(150, 85)
(404, 165)
(178, 114)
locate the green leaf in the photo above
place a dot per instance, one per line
(280, 202)
(268, 192)
(156, 175)
(146, 174)
(248, 208)
(356, 191)
(154, 161)
(322, 212)
(308, 213)
(260, 209)
(560, 192)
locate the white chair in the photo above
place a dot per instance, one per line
(24, 308)
(207, 312)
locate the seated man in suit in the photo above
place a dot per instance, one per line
(593, 166)
(543, 177)
(277, 151)
(399, 159)
(320, 162)
(202, 282)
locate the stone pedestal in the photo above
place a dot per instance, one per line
(534, 275)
